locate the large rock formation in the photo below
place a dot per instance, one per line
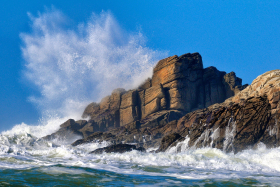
(181, 101)
(248, 119)
(179, 84)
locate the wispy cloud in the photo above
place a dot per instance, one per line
(72, 67)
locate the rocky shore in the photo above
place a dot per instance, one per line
(183, 106)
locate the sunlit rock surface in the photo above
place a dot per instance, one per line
(178, 83)
(186, 106)
(250, 117)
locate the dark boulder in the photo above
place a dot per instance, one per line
(119, 148)
(95, 137)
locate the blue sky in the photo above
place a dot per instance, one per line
(239, 36)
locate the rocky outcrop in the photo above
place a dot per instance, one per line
(104, 115)
(178, 83)
(147, 137)
(119, 148)
(249, 118)
(230, 127)
(180, 86)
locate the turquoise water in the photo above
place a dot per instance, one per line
(76, 176)
(27, 160)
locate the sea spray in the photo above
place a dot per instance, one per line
(215, 135)
(204, 137)
(72, 67)
(229, 135)
(180, 147)
(273, 130)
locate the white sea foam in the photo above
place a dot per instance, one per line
(44, 128)
(205, 163)
(21, 149)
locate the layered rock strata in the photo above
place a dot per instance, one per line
(248, 119)
(178, 83)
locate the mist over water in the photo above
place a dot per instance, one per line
(73, 66)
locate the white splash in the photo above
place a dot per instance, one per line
(26, 151)
(273, 130)
(182, 146)
(229, 134)
(204, 137)
(215, 135)
(72, 67)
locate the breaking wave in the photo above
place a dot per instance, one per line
(25, 151)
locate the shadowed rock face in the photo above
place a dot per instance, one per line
(230, 127)
(147, 136)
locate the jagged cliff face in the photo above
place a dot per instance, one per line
(180, 84)
(184, 105)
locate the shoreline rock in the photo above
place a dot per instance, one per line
(119, 148)
(183, 100)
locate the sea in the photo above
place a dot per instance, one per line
(28, 160)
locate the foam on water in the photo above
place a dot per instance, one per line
(27, 151)
(22, 148)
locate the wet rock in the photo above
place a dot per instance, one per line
(241, 122)
(119, 148)
(69, 130)
(95, 137)
(167, 141)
